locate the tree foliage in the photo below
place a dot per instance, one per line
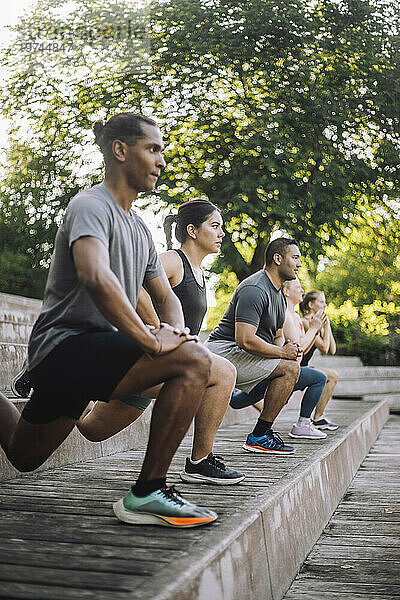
(364, 267)
(285, 114)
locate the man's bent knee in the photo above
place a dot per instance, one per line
(196, 359)
(223, 368)
(292, 368)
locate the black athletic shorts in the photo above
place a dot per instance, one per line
(81, 368)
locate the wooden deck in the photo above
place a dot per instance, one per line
(358, 555)
(59, 539)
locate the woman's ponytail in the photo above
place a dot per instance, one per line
(168, 221)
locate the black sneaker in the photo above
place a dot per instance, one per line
(210, 470)
(21, 383)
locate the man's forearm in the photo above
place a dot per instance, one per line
(113, 303)
(308, 339)
(259, 347)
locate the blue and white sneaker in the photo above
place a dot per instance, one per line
(163, 507)
(270, 443)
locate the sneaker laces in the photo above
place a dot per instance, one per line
(216, 461)
(277, 438)
(172, 495)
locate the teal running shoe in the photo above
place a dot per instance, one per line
(163, 507)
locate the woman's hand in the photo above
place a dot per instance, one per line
(318, 320)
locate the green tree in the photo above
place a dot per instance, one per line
(288, 114)
(364, 267)
(283, 114)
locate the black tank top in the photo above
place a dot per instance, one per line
(192, 296)
(308, 356)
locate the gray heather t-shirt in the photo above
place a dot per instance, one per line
(256, 301)
(67, 307)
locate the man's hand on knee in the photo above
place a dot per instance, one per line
(169, 338)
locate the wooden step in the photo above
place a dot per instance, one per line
(59, 538)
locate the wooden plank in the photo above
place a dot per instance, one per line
(23, 591)
(383, 541)
(363, 528)
(359, 552)
(14, 547)
(300, 590)
(58, 534)
(83, 562)
(355, 571)
(357, 555)
(71, 578)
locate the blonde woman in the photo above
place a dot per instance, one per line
(324, 341)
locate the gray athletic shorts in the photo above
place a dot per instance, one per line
(251, 369)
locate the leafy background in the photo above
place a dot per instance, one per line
(283, 113)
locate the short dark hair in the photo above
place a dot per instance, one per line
(194, 212)
(126, 127)
(278, 246)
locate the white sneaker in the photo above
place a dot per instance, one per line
(307, 431)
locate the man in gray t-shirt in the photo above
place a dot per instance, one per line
(68, 308)
(89, 341)
(250, 336)
(258, 302)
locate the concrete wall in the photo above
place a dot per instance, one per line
(260, 554)
(17, 316)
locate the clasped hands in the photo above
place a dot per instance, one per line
(169, 338)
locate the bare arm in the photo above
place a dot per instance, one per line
(314, 327)
(162, 299)
(93, 270)
(326, 342)
(332, 341)
(290, 329)
(167, 305)
(279, 339)
(173, 266)
(145, 309)
(246, 337)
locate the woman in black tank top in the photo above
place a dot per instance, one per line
(199, 230)
(192, 296)
(200, 233)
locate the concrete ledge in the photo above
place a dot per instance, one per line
(17, 316)
(335, 361)
(368, 383)
(258, 555)
(393, 400)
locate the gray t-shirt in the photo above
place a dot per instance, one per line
(67, 306)
(256, 301)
